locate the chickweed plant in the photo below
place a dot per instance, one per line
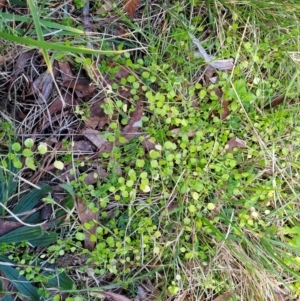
(209, 207)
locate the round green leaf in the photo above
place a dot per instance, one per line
(16, 147)
(42, 148)
(29, 162)
(80, 236)
(29, 142)
(211, 206)
(58, 165)
(27, 152)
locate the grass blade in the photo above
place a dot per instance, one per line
(22, 234)
(20, 282)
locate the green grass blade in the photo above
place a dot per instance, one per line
(30, 200)
(22, 234)
(20, 282)
(57, 46)
(62, 281)
(46, 24)
(46, 239)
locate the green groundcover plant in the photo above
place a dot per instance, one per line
(210, 208)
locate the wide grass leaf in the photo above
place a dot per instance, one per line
(22, 234)
(20, 283)
(46, 239)
(30, 200)
(62, 281)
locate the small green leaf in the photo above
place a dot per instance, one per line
(80, 236)
(27, 152)
(58, 165)
(168, 145)
(145, 74)
(16, 147)
(211, 206)
(17, 163)
(29, 142)
(140, 163)
(29, 162)
(42, 148)
(192, 208)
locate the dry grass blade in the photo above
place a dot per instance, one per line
(130, 7)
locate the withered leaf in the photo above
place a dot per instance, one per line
(2, 3)
(65, 71)
(131, 129)
(130, 7)
(148, 145)
(94, 137)
(5, 286)
(94, 176)
(181, 297)
(275, 102)
(83, 146)
(97, 118)
(21, 63)
(110, 296)
(225, 297)
(235, 142)
(7, 226)
(225, 112)
(82, 86)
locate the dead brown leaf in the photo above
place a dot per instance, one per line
(148, 145)
(5, 286)
(181, 296)
(225, 297)
(131, 129)
(110, 296)
(130, 7)
(43, 85)
(275, 102)
(7, 226)
(225, 110)
(94, 176)
(65, 71)
(55, 107)
(20, 64)
(82, 86)
(97, 118)
(177, 131)
(235, 142)
(83, 146)
(86, 215)
(2, 3)
(94, 137)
